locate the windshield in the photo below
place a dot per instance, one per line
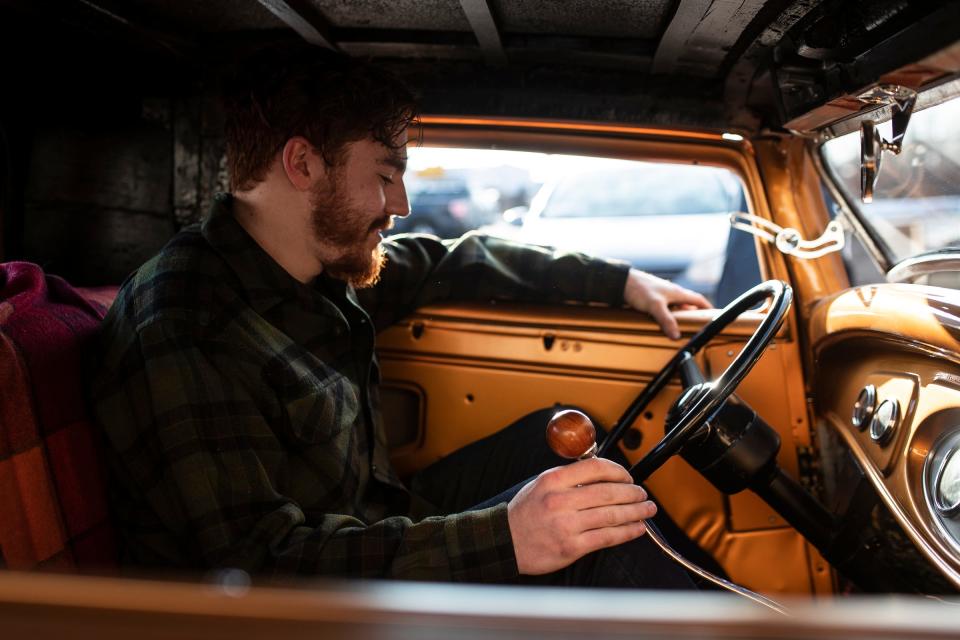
(916, 205)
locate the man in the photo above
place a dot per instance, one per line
(238, 388)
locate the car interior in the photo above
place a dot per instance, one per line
(804, 434)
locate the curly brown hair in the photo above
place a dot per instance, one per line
(328, 98)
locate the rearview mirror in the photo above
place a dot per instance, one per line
(901, 101)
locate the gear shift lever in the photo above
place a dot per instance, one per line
(571, 435)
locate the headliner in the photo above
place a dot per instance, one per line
(702, 63)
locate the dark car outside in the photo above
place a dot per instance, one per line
(439, 207)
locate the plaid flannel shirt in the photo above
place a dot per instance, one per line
(240, 406)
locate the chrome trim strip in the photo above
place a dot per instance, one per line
(932, 468)
(930, 95)
(917, 266)
(670, 552)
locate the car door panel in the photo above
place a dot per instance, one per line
(478, 368)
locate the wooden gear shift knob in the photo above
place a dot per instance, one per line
(571, 435)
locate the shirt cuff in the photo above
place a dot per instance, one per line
(480, 547)
(606, 282)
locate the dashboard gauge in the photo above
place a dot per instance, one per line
(941, 484)
(947, 486)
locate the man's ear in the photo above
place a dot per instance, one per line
(301, 163)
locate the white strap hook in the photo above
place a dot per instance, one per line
(788, 240)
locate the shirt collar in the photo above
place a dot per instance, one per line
(264, 282)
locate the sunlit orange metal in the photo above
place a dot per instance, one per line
(481, 367)
(559, 125)
(793, 192)
(903, 340)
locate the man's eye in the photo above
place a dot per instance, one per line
(386, 179)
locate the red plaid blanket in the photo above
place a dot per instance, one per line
(53, 507)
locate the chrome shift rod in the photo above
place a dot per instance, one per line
(571, 435)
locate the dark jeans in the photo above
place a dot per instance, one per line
(502, 463)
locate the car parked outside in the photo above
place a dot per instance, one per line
(440, 207)
(455, 190)
(670, 220)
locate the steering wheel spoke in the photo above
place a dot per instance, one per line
(690, 373)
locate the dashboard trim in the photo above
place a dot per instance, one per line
(933, 554)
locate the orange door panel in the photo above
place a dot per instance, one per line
(478, 368)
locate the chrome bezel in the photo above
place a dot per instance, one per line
(864, 406)
(951, 510)
(882, 427)
(933, 465)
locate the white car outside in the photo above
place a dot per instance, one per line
(668, 219)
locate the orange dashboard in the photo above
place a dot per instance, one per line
(887, 383)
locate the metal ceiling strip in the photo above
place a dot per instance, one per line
(176, 45)
(701, 33)
(485, 28)
(674, 40)
(308, 24)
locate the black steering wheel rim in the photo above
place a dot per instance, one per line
(706, 405)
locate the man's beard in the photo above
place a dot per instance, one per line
(339, 225)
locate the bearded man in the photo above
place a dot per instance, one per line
(238, 389)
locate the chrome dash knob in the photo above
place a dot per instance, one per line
(864, 406)
(885, 421)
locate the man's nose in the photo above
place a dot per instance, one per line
(397, 202)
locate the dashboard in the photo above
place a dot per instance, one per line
(887, 386)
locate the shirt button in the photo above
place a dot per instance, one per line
(373, 468)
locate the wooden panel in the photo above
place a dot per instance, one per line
(40, 606)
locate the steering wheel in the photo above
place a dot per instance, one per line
(702, 400)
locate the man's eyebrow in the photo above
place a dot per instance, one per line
(395, 160)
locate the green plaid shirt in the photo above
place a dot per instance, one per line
(242, 415)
